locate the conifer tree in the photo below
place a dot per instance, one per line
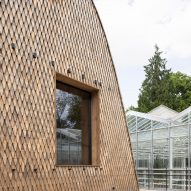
(155, 87)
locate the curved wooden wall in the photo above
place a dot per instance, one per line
(37, 39)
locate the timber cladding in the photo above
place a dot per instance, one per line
(39, 39)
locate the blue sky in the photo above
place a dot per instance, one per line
(133, 27)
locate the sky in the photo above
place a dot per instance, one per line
(133, 27)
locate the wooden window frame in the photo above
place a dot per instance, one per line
(95, 117)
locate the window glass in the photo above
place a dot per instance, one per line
(73, 116)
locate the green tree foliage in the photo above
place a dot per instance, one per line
(74, 112)
(155, 87)
(131, 108)
(68, 110)
(180, 90)
(161, 86)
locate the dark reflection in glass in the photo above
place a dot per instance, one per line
(73, 115)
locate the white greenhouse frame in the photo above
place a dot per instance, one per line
(160, 143)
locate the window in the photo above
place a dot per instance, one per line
(73, 118)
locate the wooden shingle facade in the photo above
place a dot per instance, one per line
(42, 41)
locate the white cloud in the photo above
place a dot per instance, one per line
(134, 27)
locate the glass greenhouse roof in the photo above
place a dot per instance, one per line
(142, 121)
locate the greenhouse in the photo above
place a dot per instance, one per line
(161, 142)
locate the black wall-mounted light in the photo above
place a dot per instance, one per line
(13, 46)
(83, 76)
(52, 63)
(34, 55)
(69, 71)
(95, 82)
